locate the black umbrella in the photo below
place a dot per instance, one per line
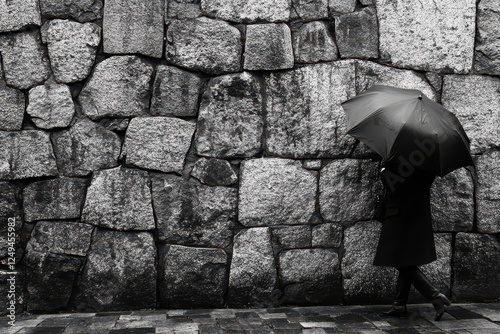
(405, 126)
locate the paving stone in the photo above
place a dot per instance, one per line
(119, 198)
(205, 45)
(327, 235)
(127, 22)
(488, 38)
(84, 148)
(159, 143)
(183, 9)
(50, 105)
(175, 92)
(268, 47)
(275, 192)
(300, 122)
(17, 14)
(230, 122)
(72, 49)
(314, 42)
(214, 172)
(80, 10)
(476, 109)
(24, 58)
(442, 34)
(118, 87)
(248, 11)
(12, 104)
(357, 34)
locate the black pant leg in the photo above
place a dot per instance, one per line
(403, 290)
(419, 281)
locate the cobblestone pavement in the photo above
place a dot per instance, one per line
(461, 318)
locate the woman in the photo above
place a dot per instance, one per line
(407, 240)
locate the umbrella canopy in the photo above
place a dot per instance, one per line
(405, 126)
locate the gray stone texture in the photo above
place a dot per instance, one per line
(304, 117)
(476, 275)
(119, 87)
(275, 192)
(214, 172)
(289, 237)
(475, 100)
(115, 124)
(192, 276)
(314, 42)
(72, 49)
(120, 199)
(25, 154)
(159, 143)
(183, 9)
(134, 26)
(452, 202)
(85, 147)
(17, 14)
(362, 281)
(11, 107)
(310, 276)
(205, 45)
(252, 276)
(327, 235)
(50, 105)
(268, 47)
(192, 214)
(357, 34)
(487, 55)
(6, 283)
(488, 192)
(314, 164)
(441, 37)
(61, 237)
(60, 198)
(116, 275)
(230, 122)
(50, 280)
(24, 58)
(11, 217)
(247, 11)
(311, 9)
(348, 190)
(341, 6)
(175, 92)
(80, 10)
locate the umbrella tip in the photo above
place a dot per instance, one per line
(420, 97)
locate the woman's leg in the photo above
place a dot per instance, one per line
(403, 291)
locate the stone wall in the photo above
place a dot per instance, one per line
(192, 153)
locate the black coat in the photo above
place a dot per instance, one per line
(407, 237)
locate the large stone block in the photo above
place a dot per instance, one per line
(175, 92)
(348, 190)
(72, 49)
(192, 277)
(80, 10)
(289, 237)
(268, 47)
(17, 14)
(60, 198)
(252, 276)
(311, 10)
(50, 278)
(310, 276)
(189, 213)
(120, 199)
(204, 45)
(475, 100)
(247, 11)
(50, 105)
(183, 9)
(85, 147)
(118, 87)
(276, 192)
(25, 154)
(214, 172)
(24, 58)
(230, 123)
(452, 202)
(159, 143)
(10, 218)
(486, 57)
(313, 42)
(116, 275)
(357, 34)
(488, 192)
(12, 104)
(327, 235)
(304, 116)
(362, 281)
(441, 37)
(341, 6)
(476, 273)
(134, 26)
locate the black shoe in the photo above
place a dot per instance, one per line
(439, 301)
(397, 311)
